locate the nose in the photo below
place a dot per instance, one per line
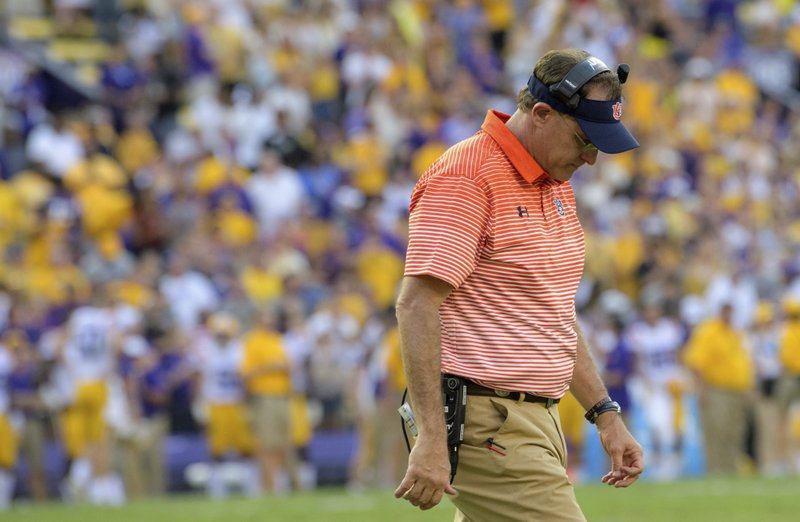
(590, 156)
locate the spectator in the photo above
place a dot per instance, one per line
(770, 425)
(8, 444)
(276, 192)
(187, 292)
(717, 355)
(24, 385)
(267, 378)
(789, 383)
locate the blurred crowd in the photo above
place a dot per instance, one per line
(239, 190)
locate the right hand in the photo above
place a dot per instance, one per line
(427, 476)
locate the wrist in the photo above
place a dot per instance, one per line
(607, 405)
(606, 418)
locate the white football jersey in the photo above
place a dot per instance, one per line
(656, 347)
(88, 354)
(220, 367)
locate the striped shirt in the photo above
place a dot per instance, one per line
(489, 221)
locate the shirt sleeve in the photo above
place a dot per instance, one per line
(448, 226)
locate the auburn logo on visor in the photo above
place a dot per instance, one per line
(617, 110)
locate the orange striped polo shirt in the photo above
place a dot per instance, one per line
(487, 219)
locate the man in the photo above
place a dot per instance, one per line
(765, 341)
(24, 387)
(656, 340)
(494, 260)
(8, 438)
(724, 375)
(89, 359)
(788, 390)
(267, 378)
(222, 391)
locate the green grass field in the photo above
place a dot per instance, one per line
(743, 500)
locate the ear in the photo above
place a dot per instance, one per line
(541, 113)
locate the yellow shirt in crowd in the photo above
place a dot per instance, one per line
(381, 269)
(790, 347)
(261, 285)
(136, 148)
(718, 353)
(264, 348)
(394, 361)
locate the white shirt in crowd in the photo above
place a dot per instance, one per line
(278, 197)
(57, 150)
(188, 294)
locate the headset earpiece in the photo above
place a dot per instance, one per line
(623, 70)
(567, 89)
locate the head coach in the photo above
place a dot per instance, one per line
(487, 303)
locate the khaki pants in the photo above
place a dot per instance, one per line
(270, 417)
(770, 429)
(724, 419)
(142, 458)
(525, 480)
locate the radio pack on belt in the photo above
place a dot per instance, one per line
(454, 398)
(454, 395)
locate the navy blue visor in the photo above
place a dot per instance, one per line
(599, 120)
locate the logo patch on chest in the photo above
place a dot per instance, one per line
(559, 207)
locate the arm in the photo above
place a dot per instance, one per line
(627, 461)
(428, 475)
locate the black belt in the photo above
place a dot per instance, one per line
(473, 388)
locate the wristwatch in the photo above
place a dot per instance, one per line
(602, 407)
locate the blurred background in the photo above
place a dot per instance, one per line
(181, 178)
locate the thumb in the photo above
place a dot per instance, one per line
(450, 490)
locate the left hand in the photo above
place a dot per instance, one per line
(627, 458)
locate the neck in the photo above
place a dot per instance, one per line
(519, 125)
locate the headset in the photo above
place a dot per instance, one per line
(567, 89)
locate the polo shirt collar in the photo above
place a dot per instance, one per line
(495, 126)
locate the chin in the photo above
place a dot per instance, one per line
(563, 176)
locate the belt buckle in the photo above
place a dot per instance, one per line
(502, 393)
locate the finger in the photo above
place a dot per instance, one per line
(634, 462)
(412, 499)
(412, 495)
(631, 470)
(627, 481)
(612, 478)
(424, 497)
(435, 499)
(404, 487)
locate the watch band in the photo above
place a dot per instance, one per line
(603, 406)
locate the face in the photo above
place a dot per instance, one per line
(569, 149)
(223, 339)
